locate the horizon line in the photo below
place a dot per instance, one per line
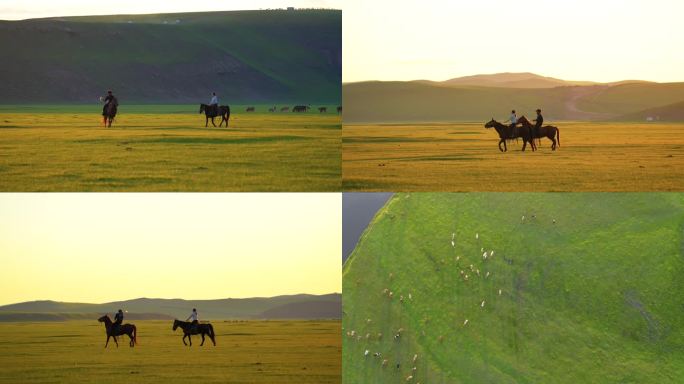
(167, 13)
(175, 298)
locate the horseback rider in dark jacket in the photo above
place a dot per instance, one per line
(118, 319)
(539, 121)
(108, 99)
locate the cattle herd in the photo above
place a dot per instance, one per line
(296, 108)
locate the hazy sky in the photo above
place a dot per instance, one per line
(603, 40)
(21, 9)
(96, 247)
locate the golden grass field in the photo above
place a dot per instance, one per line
(246, 352)
(465, 157)
(169, 152)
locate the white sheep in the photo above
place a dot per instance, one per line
(410, 297)
(477, 236)
(366, 353)
(409, 378)
(523, 218)
(415, 357)
(487, 275)
(499, 292)
(465, 322)
(482, 305)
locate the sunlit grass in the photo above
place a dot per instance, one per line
(169, 152)
(465, 157)
(246, 352)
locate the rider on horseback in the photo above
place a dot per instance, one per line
(118, 320)
(514, 120)
(539, 121)
(195, 320)
(213, 104)
(108, 99)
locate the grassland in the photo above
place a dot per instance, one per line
(464, 157)
(169, 152)
(590, 289)
(246, 352)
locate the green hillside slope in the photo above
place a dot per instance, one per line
(419, 101)
(301, 307)
(590, 290)
(671, 112)
(245, 56)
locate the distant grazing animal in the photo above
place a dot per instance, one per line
(284, 109)
(210, 113)
(300, 108)
(189, 329)
(272, 109)
(124, 329)
(549, 131)
(339, 109)
(250, 109)
(322, 109)
(505, 133)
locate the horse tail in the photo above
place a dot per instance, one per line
(135, 335)
(211, 333)
(558, 135)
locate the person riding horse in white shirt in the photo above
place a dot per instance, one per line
(195, 319)
(213, 104)
(514, 120)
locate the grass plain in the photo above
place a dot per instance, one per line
(464, 157)
(589, 286)
(246, 352)
(162, 151)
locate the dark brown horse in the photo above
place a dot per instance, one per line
(201, 329)
(300, 108)
(506, 132)
(210, 113)
(124, 329)
(110, 112)
(548, 131)
(322, 109)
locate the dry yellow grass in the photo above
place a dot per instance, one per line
(465, 157)
(169, 152)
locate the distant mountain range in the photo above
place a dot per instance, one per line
(481, 97)
(245, 56)
(279, 307)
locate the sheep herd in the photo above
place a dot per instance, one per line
(465, 272)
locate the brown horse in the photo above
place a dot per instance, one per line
(189, 329)
(109, 112)
(211, 113)
(548, 131)
(124, 329)
(506, 132)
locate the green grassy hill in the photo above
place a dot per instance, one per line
(590, 290)
(671, 112)
(419, 101)
(300, 307)
(245, 56)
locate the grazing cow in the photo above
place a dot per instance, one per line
(300, 108)
(339, 109)
(323, 110)
(284, 109)
(250, 109)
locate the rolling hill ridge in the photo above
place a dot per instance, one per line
(245, 56)
(481, 97)
(289, 306)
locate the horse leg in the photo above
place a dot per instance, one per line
(107, 343)
(202, 343)
(212, 122)
(116, 341)
(206, 122)
(501, 149)
(184, 343)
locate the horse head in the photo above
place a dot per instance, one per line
(202, 106)
(491, 123)
(523, 120)
(176, 323)
(103, 319)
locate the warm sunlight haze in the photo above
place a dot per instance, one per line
(602, 41)
(97, 248)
